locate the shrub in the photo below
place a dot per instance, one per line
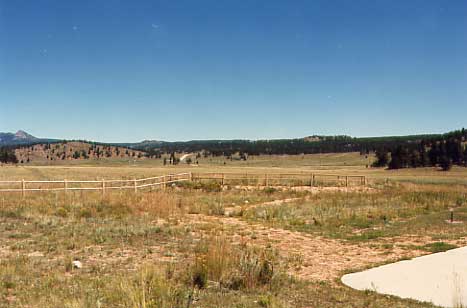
(270, 190)
(234, 267)
(199, 275)
(438, 247)
(211, 186)
(85, 213)
(151, 289)
(62, 212)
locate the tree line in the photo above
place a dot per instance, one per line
(393, 152)
(322, 144)
(444, 151)
(7, 155)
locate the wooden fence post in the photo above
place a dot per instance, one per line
(135, 186)
(346, 181)
(23, 188)
(267, 180)
(65, 185)
(222, 179)
(312, 180)
(103, 187)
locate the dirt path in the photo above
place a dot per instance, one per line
(185, 156)
(229, 211)
(321, 258)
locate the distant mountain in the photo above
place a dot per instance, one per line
(20, 138)
(22, 135)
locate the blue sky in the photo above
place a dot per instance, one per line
(178, 70)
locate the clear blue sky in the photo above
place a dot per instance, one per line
(177, 70)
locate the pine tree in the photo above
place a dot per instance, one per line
(399, 158)
(424, 158)
(76, 155)
(433, 154)
(415, 160)
(382, 158)
(445, 163)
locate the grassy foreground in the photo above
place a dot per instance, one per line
(202, 247)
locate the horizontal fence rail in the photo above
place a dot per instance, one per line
(232, 179)
(282, 179)
(24, 186)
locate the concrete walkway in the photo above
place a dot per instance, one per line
(438, 278)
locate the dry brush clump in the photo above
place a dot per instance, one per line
(237, 267)
(150, 287)
(77, 205)
(218, 271)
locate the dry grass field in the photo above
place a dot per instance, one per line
(339, 163)
(198, 245)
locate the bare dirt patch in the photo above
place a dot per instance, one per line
(322, 259)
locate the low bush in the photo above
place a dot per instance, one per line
(151, 289)
(236, 267)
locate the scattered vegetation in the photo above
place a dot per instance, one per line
(170, 249)
(397, 210)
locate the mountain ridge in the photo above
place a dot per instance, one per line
(21, 137)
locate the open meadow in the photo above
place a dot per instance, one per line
(201, 244)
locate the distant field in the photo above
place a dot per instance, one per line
(309, 160)
(339, 163)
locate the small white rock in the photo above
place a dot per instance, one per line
(77, 264)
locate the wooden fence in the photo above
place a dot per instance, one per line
(90, 185)
(282, 179)
(248, 179)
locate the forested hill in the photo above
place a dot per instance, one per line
(442, 151)
(392, 151)
(307, 145)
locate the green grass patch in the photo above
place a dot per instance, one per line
(438, 247)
